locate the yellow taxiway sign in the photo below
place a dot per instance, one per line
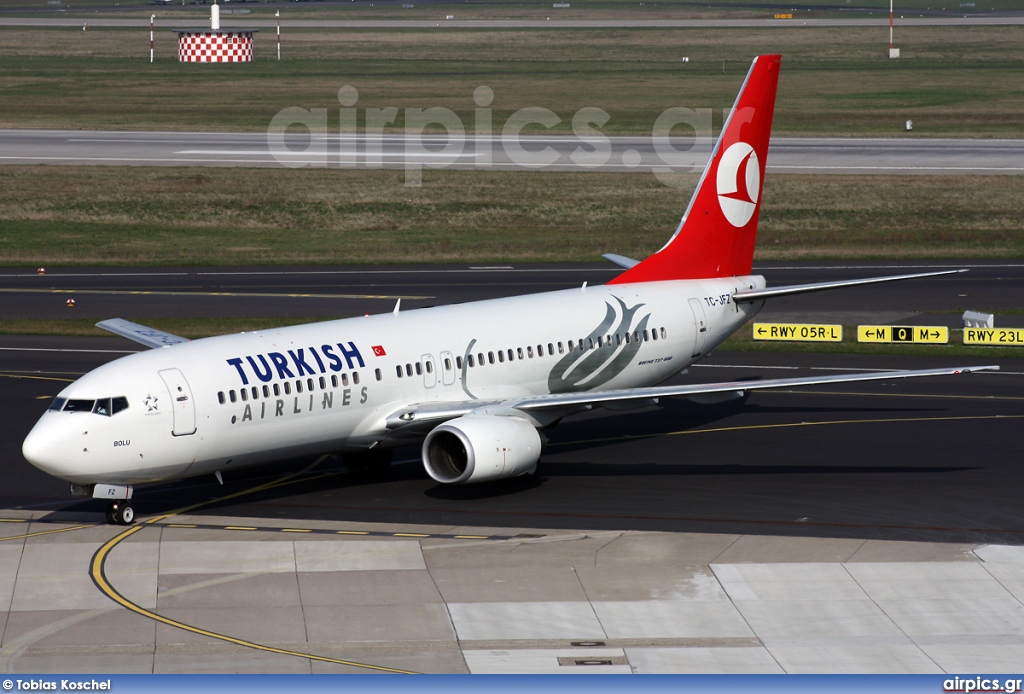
(931, 334)
(798, 331)
(1006, 337)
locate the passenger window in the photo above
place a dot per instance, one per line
(287, 388)
(647, 336)
(120, 404)
(551, 348)
(429, 366)
(102, 407)
(501, 357)
(334, 380)
(344, 378)
(636, 336)
(664, 335)
(255, 393)
(244, 393)
(419, 369)
(447, 364)
(458, 363)
(298, 386)
(309, 385)
(519, 352)
(600, 341)
(480, 358)
(220, 398)
(398, 370)
(355, 378)
(511, 355)
(408, 369)
(571, 345)
(618, 339)
(232, 397)
(469, 360)
(529, 351)
(654, 334)
(266, 391)
(323, 382)
(490, 357)
(590, 342)
(378, 374)
(540, 350)
(277, 390)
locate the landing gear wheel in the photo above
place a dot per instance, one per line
(120, 513)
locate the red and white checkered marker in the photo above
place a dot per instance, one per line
(215, 46)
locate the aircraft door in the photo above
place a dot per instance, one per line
(183, 407)
(429, 372)
(447, 368)
(700, 323)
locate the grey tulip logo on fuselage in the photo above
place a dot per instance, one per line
(583, 370)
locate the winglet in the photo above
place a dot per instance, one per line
(717, 233)
(150, 337)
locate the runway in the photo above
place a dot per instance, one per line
(558, 153)
(844, 529)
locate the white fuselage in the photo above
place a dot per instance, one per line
(225, 402)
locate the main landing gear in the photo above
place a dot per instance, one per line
(120, 512)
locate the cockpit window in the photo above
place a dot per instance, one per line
(58, 404)
(79, 405)
(108, 407)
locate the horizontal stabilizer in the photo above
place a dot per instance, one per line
(150, 337)
(769, 292)
(621, 260)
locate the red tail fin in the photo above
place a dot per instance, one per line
(717, 233)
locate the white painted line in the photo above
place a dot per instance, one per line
(372, 156)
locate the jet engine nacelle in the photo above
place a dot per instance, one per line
(481, 448)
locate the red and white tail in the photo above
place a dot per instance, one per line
(717, 234)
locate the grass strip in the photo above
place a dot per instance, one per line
(157, 216)
(951, 81)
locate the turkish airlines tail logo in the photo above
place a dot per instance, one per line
(739, 183)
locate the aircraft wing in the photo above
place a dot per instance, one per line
(150, 337)
(436, 413)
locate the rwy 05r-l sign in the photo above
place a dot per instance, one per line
(798, 331)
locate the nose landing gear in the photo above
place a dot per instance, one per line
(120, 512)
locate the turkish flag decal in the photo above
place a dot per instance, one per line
(378, 350)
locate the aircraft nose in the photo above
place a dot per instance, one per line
(48, 447)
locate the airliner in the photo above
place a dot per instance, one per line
(471, 383)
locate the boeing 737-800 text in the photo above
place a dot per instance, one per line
(472, 382)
